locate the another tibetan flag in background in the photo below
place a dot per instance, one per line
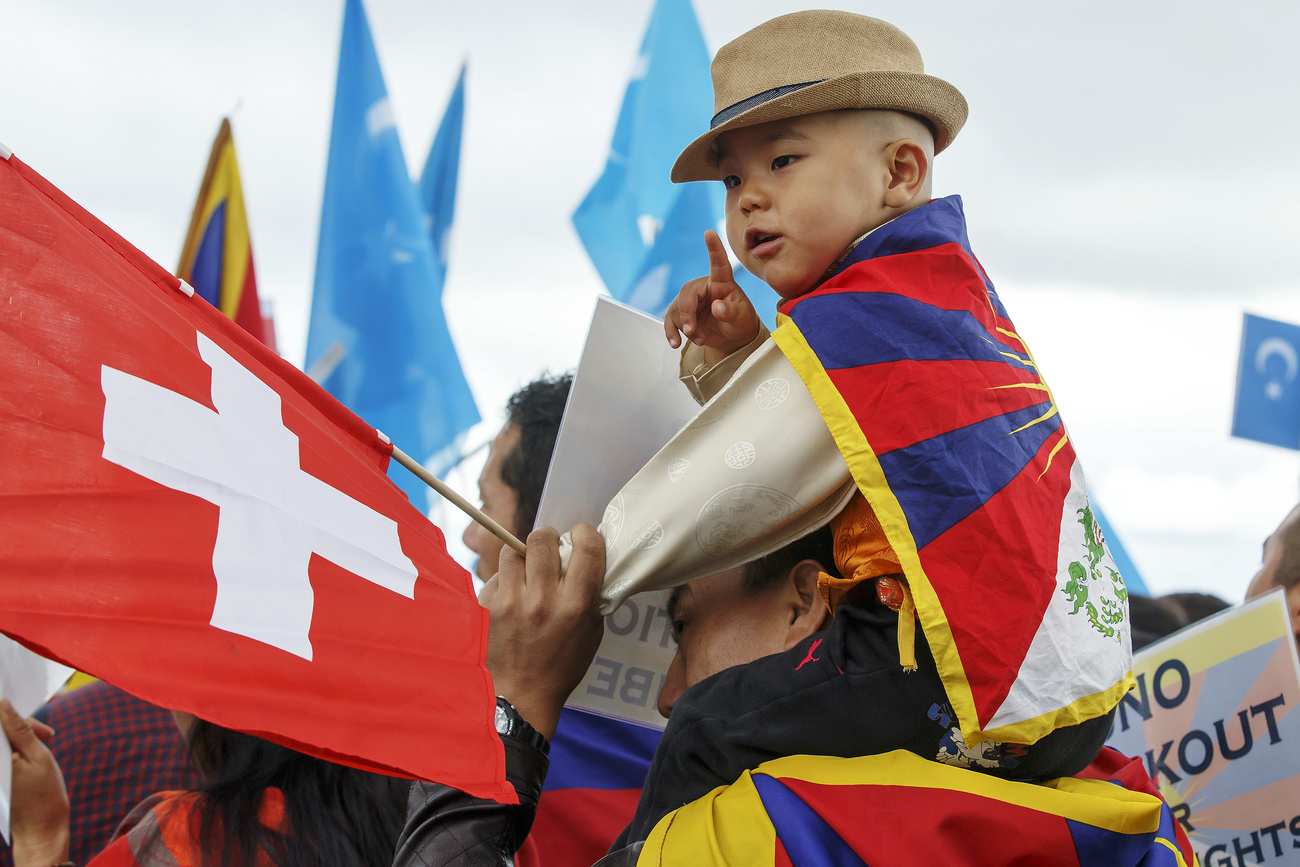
(1268, 386)
(378, 340)
(898, 809)
(598, 766)
(217, 259)
(955, 441)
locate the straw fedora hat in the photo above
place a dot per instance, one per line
(814, 61)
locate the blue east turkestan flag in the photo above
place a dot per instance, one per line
(438, 195)
(1268, 391)
(377, 339)
(438, 180)
(645, 235)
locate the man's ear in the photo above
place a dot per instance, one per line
(808, 612)
(908, 169)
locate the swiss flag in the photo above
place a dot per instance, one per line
(186, 515)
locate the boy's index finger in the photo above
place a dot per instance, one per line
(719, 264)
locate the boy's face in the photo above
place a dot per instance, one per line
(799, 192)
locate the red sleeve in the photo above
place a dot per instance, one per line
(116, 854)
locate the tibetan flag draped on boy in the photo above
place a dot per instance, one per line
(955, 441)
(378, 339)
(217, 259)
(898, 809)
(189, 517)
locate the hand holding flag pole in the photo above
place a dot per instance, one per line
(458, 501)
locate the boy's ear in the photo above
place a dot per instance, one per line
(908, 169)
(808, 612)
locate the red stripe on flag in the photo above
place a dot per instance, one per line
(1024, 519)
(575, 827)
(944, 276)
(887, 824)
(781, 858)
(938, 396)
(249, 313)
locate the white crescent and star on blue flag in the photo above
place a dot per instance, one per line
(1267, 407)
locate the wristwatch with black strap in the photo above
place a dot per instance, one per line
(511, 725)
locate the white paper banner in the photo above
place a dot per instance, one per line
(626, 402)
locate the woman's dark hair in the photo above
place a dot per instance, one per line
(536, 410)
(334, 815)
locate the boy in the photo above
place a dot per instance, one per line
(965, 504)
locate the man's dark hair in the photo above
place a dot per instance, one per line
(1288, 566)
(1150, 621)
(1188, 608)
(536, 410)
(766, 572)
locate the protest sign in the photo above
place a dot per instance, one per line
(1212, 715)
(626, 402)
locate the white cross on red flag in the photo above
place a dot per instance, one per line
(188, 516)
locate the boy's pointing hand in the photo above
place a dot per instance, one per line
(712, 311)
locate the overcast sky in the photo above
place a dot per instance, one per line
(1129, 170)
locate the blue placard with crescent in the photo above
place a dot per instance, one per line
(1268, 383)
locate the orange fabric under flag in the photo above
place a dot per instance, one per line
(217, 259)
(186, 515)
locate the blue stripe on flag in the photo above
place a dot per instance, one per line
(206, 272)
(942, 480)
(808, 840)
(943, 221)
(1097, 847)
(853, 329)
(595, 752)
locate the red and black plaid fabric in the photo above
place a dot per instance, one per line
(115, 750)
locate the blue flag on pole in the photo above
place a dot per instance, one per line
(679, 255)
(377, 339)
(1268, 393)
(438, 180)
(668, 101)
(644, 233)
(438, 195)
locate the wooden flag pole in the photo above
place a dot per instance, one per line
(458, 501)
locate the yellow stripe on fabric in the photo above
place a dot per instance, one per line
(221, 184)
(870, 477)
(220, 189)
(1178, 853)
(1080, 710)
(234, 263)
(1096, 802)
(729, 825)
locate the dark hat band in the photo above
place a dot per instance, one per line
(757, 99)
